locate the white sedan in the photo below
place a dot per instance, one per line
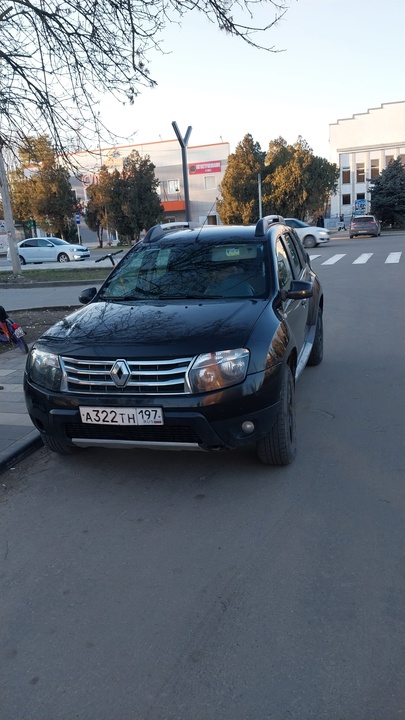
(309, 235)
(49, 249)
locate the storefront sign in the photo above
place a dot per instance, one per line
(205, 167)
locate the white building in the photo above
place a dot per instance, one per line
(362, 146)
(206, 165)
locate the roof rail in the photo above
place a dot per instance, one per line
(263, 224)
(157, 231)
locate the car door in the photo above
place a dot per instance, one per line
(290, 268)
(47, 250)
(28, 250)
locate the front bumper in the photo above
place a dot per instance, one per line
(211, 421)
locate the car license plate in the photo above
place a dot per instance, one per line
(121, 416)
(19, 332)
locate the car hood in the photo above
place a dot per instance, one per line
(139, 329)
(75, 247)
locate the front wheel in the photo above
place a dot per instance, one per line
(279, 446)
(309, 241)
(316, 355)
(58, 446)
(63, 258)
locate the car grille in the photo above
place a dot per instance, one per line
(143, 377)
(140, 433)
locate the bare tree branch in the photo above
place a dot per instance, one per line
(57, 57)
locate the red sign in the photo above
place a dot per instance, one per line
(204, 167)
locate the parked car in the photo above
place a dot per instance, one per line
(309, 235)
(48, 249)
(195, 341)
(364, 225)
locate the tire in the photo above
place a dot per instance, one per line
(279, 446)
(63, 258)
(351, 237)
(58, 446)
(309, 241)
(22, 345)
(316, 355)
(22, 261)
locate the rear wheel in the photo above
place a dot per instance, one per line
(279, 446)
(317, 348)
(22, 345)
(22, 261)
(309, 241)
(58, 446)
(63, 258)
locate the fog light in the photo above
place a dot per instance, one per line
(248, 427)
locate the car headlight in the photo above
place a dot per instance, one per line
(217, 370)
(44, 369)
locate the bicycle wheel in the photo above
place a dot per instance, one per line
(22, 345)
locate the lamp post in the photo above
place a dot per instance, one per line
(183, 144)
(8, 217)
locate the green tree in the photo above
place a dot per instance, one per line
(297, 182)
(137, 197)
(388, 195)
(45, 194)
(239, 201)
(99, 211)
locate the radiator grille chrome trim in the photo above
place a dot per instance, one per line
(146, 377)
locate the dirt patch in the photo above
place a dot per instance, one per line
(35, 321)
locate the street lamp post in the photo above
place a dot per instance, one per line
(8, 217)
(183, 144)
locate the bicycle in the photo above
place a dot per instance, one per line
(11, 333)
(109, 256)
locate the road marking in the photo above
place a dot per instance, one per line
(334, 259)
(362, 259)
(313, 257)
(394, 257)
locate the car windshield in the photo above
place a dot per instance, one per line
(186, 270)
(57, 241)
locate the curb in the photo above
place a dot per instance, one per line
(21, 449)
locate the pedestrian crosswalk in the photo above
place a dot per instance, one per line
(392, 257)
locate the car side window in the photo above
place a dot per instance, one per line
(285, 275)
(30, 243)
(44, 243)
(293, 253)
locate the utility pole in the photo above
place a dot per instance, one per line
(183, 144)
(8, 217)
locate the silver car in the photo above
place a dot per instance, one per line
(309, 235)
(49, 249)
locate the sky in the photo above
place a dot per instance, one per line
(335, 58)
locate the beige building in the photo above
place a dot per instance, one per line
(206, 166)
(362, 146)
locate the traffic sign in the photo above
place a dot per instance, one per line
(77, 216)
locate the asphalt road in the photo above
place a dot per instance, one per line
(170, 586)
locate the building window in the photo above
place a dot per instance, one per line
(360, 173)
(388, 159)
(361, 196)
(346, 199)
(210, 182)
(345, 176)
(375, 168)
(173, 186)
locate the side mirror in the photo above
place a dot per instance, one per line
(299, 290)
(87, 295)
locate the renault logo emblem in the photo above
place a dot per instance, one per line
(120, 373)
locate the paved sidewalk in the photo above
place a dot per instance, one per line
(18, 437)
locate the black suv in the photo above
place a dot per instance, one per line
(194, 341)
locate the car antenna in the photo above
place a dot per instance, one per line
(206, 219)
